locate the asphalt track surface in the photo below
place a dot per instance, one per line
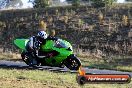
(21, 65)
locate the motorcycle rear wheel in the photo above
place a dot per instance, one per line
(27, 58)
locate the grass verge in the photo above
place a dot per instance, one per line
(122, 63)
(10, 56)
(13, 78)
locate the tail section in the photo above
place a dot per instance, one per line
(21, 43)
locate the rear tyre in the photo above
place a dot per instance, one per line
(72, 62)
(27, 58)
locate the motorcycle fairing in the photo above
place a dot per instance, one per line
(21, 43)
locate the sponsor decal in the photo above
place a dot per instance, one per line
(83, 77)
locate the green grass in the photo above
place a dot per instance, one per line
(122, 63)
(13, 78)
(37, 78)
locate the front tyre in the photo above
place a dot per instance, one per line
(72, 62)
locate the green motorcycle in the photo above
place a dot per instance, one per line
(61, 54)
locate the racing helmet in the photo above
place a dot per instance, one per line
(42, 34)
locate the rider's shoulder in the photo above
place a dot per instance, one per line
(32, 37)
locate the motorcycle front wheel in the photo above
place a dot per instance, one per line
(72, 62)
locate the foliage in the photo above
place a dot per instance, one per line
(41, 3)
(109, 2)
(125, 20)
(80, 22)
(102, 3)
(76, 3)
(129, 0)
(2, 25)
(101, 17)
(65, 19)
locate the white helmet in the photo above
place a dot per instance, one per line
(42, 34)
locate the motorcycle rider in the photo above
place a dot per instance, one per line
(35, 42)
(33, 45)
(41, 36)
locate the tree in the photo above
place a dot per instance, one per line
(41, 3)
(102, 3)
(98, 3)
(75, 3)
(128, 0)
(109, 2)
